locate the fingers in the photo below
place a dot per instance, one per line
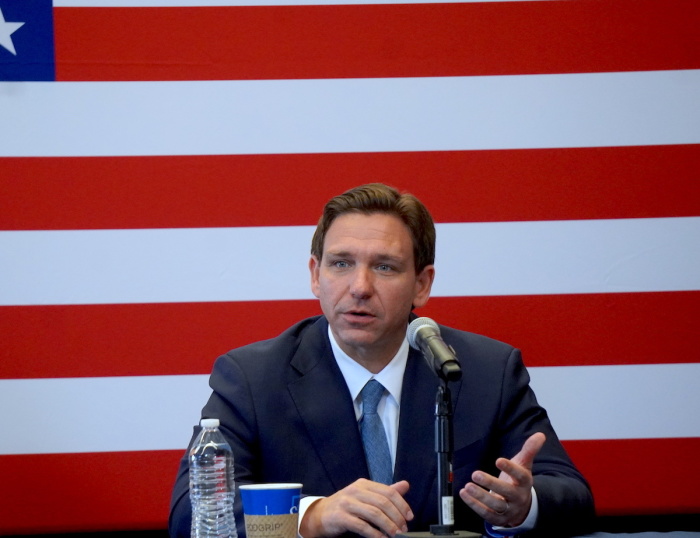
(505, 500)
(373, 506)
(530, 449)
(509, 510)
(518, 469)
(364, 507)
(491, 506)
(401, 488)
(512, 473)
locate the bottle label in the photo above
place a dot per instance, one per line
(277, 526)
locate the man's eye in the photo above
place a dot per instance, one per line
(341, 264)
(384, 268)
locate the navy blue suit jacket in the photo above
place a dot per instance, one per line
(287, 412)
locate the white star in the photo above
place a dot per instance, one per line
(6, 31)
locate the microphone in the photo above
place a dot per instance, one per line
(424, 335)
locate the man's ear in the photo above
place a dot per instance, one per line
(314, 269)
(424, 283)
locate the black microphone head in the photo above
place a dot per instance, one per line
(417, 324)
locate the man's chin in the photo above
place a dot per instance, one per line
(355, 337)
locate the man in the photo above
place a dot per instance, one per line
(290, 406)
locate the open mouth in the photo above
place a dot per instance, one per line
(358, 315)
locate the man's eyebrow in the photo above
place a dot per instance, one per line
(338, 253)
(389, 258)
(379, 258)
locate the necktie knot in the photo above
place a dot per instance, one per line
(371, 394)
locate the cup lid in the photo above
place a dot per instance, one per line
(272, 486)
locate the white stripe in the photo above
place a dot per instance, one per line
(349, 115)
(620, 402)
(158, 412)
(100, 414)
(155, 265)
(271, 263)
(554, 257)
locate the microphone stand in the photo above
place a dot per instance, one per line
(444, 442)
(444, 445)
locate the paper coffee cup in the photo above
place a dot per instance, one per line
(271, 510)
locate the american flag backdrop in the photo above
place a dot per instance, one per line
(163, 163)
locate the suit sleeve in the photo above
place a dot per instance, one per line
(565, 499)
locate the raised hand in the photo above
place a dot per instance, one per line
(505, 501)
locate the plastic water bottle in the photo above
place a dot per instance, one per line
(211, 484)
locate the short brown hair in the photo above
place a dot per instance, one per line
(380, 198)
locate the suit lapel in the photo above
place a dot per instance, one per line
(415, 453)
(324, 404)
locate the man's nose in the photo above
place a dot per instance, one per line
(361, 285)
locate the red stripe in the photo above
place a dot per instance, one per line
(112, 491)
(138, 339)
(577, 330)
(255, 190)
(625, 475)
(289, 42)
(161, 339)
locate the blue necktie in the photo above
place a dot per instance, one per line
(373, 434)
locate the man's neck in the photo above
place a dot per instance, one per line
(374, 360)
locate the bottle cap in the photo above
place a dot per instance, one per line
(209, 423)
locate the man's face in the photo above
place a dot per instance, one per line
(366, 282)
